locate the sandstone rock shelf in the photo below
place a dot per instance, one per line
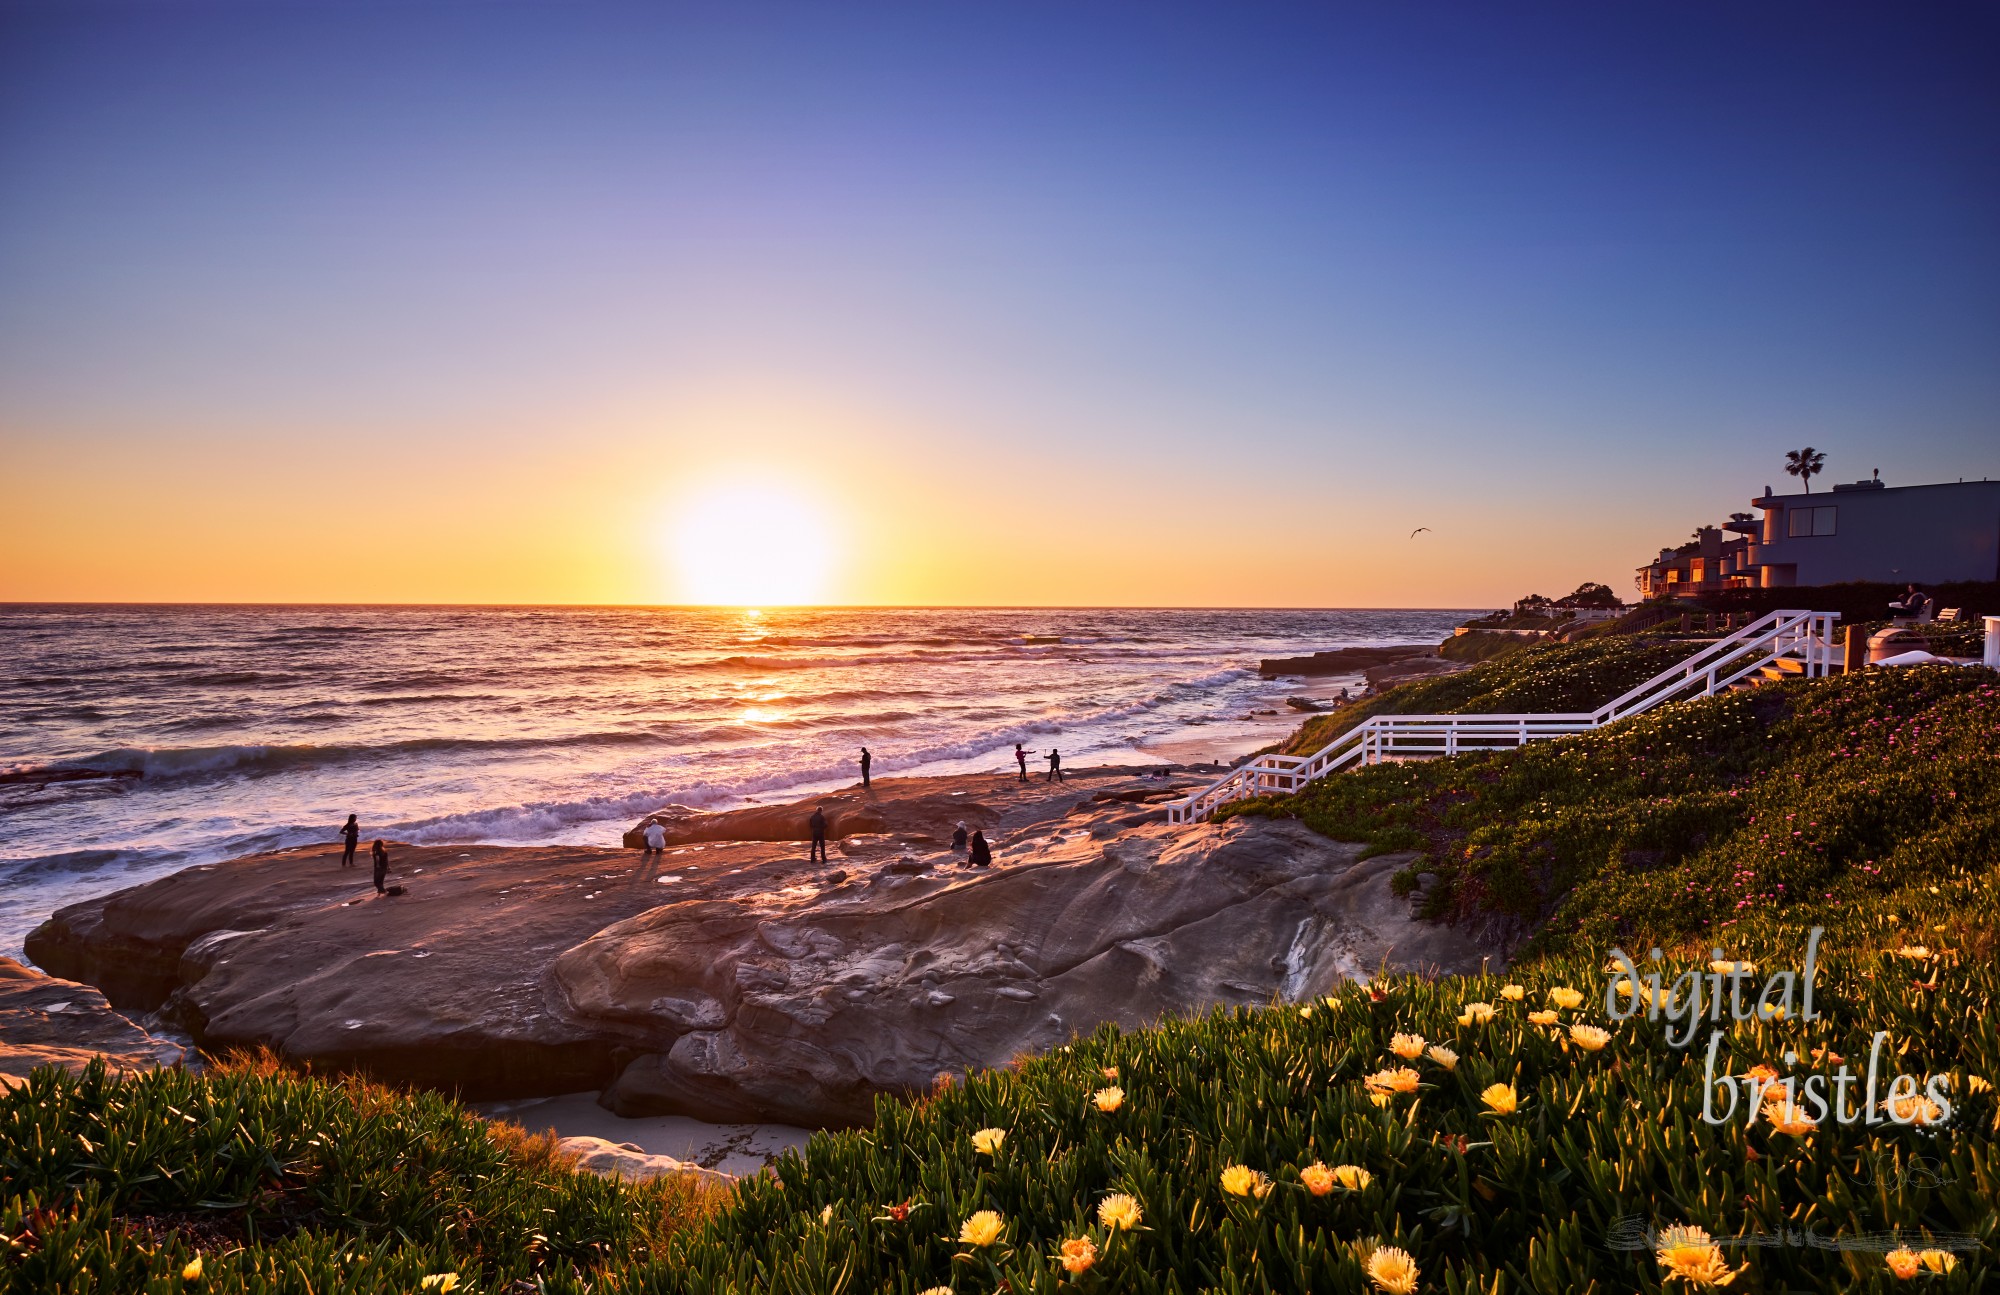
(730, 979)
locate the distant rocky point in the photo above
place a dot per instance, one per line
(1382, 667)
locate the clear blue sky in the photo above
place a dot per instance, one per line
(1170, 273)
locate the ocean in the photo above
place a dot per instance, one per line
(136, 740)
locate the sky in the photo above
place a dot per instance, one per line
(985, 304)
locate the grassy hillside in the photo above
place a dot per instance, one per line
(1675, 825)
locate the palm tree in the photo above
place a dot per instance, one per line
(1803, 464)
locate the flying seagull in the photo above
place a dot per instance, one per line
(1418, 531)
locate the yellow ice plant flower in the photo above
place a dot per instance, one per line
(1627, 989)
(1381, 1099)
(1393, 1270)
(987, 1141)
(1109, 1099)
(1305, 1011)
(1353, 1177)
(1689, 1254)
(1731, 968)
(192, 1273)
(1407, 1046)
(1903, 1262)
(1110, 1072)
(1400, 1079)
(1977, 1084)
(1917, 1110)
(1119, 1212)
(1590, 1038)
(1443, 1056)
(1788, 1117)
(1543, 1018)
(826, 1217)
(1476, 1014)
(1914, 952)
(1242, 1180)
(1762, 1075)
(1513, 993)
(1939, 1262)
(1078, 1254)
(1566, 998)
(1317, 1178)
(440, 1282)
(1501, 1098)
(982, 1229)
(936, 1290)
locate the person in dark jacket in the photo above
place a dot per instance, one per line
(1055, 767)
(351, 835)
(866, 760)
(958, 840)
(381, 855)
(818, 824)
(982, 853)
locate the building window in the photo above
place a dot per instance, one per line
(1811, 521)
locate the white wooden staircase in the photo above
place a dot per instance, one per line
(1784, 644)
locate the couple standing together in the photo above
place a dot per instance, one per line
(350, 836)
(978, 853)
(1054, 758)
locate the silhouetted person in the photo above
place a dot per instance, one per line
(1055, 767)
(381, 855)
(866, 760)
(982, 853)
(1021, 758)
(818, 824)
(351, 834)
(958, 840)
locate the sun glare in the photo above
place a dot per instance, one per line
(752, 546)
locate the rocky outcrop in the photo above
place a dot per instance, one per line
(632, 1162)
(49, 1022)
(1354, 660)
(804, 1012)
(736, 980)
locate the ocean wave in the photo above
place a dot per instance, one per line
(195, 761)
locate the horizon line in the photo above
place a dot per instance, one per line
(737, 607)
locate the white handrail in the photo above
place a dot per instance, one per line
(1804, 636)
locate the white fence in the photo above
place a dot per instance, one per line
(1802, 636)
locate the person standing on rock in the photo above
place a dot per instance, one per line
(982, 853)
(1021, 758)
(351, 834)
(818, 824)
(381, 856)
(866, 760)
(1055, 767)
(958, 840)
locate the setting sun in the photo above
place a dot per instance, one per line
(752, 545)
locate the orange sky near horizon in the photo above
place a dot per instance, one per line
(593, 513)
